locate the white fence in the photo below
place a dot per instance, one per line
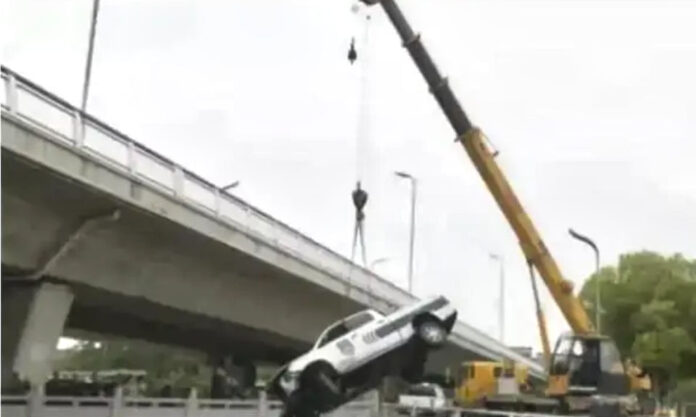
(37, 405)
(368, 406)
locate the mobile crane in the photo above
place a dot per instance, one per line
(584, 363)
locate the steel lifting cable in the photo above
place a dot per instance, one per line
(359, 195)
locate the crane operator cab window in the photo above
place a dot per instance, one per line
(592, 364)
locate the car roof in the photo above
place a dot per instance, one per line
(372, 312)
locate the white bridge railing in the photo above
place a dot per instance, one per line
(38, 405)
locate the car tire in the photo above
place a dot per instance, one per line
(415, 368)
(431, 332)
(322, 380)
(298, 406)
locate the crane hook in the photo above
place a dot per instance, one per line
(352, 53)
(359, 200)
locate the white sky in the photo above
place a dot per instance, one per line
(591, 104)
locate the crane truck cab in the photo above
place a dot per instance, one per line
(583, 366)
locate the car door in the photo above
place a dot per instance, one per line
(353, 344)
(379, 337)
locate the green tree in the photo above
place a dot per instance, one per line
(649, 309)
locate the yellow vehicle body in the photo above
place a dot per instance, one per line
(477, 380)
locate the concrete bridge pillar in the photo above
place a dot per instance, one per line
(33, 316)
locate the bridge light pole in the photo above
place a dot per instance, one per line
(90, 53)
(501, 301)
(586, 240)
(414, 182)
(229, 186)
(377, 262)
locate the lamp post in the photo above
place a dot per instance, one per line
(377, 262)
(586, 240)
(501, 305)
(229, 186)
(413, 181)
(90, 53)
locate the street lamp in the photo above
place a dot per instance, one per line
(501, 305)
(90, 54)
(413, 181)
(377, 262)
(229, 186)
(591, 243)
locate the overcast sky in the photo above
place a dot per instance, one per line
(591, 104)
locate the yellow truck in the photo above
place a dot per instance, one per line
(498, 386)
(478, 380)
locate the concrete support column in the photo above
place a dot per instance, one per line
(35, 402)
(33, 316)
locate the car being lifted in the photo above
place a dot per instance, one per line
(353, 355)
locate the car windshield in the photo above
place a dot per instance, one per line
(344, 326)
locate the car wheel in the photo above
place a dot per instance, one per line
(415, 368)
(432, 333)
(323, 381)
(297, 405)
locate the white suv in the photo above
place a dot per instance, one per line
(352, 355)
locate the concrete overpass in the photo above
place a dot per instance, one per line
(100, 233)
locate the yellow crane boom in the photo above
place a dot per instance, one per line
(530, 241)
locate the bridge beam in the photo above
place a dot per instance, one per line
(33, 316)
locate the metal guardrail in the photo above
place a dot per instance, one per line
(69, 126)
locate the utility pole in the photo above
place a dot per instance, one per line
(413, 181)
